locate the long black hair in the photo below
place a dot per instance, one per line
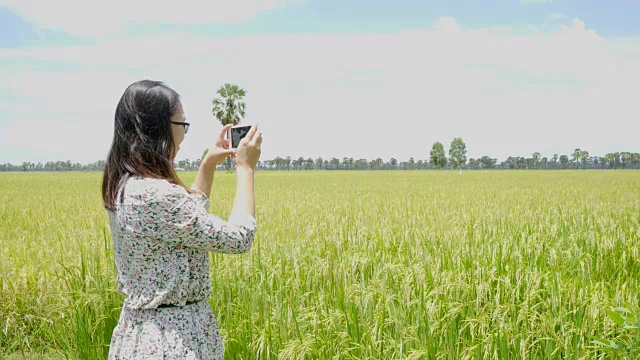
(142, 138)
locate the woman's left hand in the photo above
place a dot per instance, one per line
(220, 150)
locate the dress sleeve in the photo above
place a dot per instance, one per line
(175, 216)
(200, 197)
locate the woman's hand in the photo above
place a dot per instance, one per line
(220, 150)
(249, 149)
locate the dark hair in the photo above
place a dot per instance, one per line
(142, 138)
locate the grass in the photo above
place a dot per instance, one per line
(350, 265)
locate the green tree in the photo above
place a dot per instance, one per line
(576, 156)
(536, 159)
(308, 164)
(438, 156)
(612, 159)
(584, 156)
(412, 164)
(488, 162)
(458, 153)
(564, 160)
(229, 107)
(335, 163)
(362, 164)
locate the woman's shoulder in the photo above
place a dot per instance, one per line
(152, 189)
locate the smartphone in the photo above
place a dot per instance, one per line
(236, 134)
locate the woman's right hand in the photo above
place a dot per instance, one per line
(248, 152)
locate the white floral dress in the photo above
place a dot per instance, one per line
(162, 237)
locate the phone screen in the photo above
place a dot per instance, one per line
(237, 133)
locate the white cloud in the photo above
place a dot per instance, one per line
(361, 95)
(446, 23)
(577, 24)
(556, 16)
(101, 18)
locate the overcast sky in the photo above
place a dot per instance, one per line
(328, 78)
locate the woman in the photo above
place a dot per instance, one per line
(162, 231)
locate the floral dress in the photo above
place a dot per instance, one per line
(162, 237)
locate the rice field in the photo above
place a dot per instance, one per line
(350, 265)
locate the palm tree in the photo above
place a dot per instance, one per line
(228, 107)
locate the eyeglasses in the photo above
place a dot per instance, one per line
(185, 124)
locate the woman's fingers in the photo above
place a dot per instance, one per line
(251, 133)
(257, 139)
(224, 131)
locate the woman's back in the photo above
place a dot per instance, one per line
(162, 238)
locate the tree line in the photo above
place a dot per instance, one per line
(580, 159)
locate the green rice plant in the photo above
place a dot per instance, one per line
(351, 265)
(628, 345)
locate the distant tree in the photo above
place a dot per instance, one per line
(335, 163)
(487, 162)
(277, 163)
(458, 154)
(438, 156)
(508, 163)
(228, 107)
(411, 164)
(529, 163)
(308, 164)
(536, 160)
(584, 156)
(576, 155)
(564, 161)
(376, 164)
(634, 160)
(626, 159)
(554, 160)
(612, 159)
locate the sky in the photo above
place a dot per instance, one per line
(361, 79)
